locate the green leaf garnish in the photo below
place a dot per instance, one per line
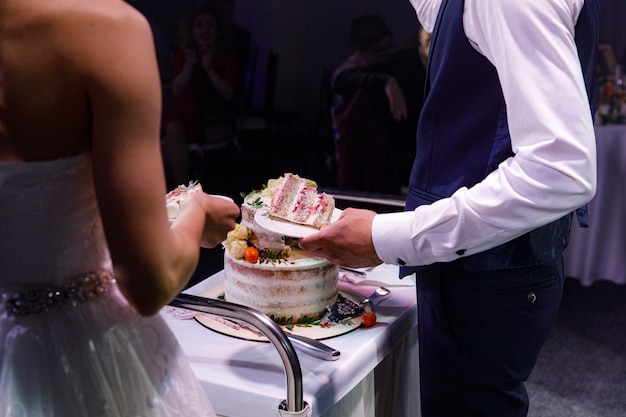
(273, 255)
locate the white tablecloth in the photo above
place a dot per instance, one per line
(377, 368)
(599, 252)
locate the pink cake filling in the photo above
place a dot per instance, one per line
(299, 202)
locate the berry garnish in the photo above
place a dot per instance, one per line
(369, 319)
(251, 254)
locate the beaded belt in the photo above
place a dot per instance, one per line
(83, 288)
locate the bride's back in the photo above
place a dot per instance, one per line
(48, 53)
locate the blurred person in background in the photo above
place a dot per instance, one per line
(377, 98)
(202, 114)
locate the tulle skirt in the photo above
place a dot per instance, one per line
(98, 358)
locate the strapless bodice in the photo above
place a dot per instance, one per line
(50, 226)
(82, 333)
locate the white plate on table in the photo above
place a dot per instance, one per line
(287, 228)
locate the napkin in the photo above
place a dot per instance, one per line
(384, 274)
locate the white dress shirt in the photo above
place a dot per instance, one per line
(553, 172)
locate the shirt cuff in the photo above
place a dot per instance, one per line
(392, 235)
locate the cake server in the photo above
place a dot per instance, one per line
(379, 292)
(305, 344)
(353, 271)
(368, 304)
(302, 343)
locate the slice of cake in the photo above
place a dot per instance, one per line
(297, 200)
(175, 198)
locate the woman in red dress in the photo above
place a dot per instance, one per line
(203, 88)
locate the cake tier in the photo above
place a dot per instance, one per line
(260, 238)
(300, 286)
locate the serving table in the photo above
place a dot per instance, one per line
(599, 252)
(377, 368)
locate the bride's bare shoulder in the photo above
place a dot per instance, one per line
(20, 11)
(103, 16)
(79, 20)
(68, 46)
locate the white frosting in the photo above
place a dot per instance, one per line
(173, 207)
(282, 289)
(175, 198)
(294, 287)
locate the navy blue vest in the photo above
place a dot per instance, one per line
(464, 121)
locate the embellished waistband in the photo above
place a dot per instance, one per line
(80, 289)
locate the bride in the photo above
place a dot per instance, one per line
(87, 257)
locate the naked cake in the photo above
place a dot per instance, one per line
(267, 271)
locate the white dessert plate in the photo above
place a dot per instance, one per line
(287, 228)
(223, 197)
(231, 328)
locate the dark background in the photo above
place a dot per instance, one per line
(311, 36)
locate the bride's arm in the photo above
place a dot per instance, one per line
(152, 260)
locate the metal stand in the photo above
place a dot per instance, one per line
(293, 372)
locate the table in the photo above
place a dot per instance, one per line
(377, 369)
(599, 252)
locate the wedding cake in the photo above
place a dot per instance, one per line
(266, 270)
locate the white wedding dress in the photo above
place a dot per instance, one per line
(70, 345)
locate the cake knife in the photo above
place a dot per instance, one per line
(304, 344)
(353, 271)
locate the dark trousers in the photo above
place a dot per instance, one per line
(480, 334)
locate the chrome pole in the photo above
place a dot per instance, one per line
(293, 371)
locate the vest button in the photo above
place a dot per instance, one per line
(532, 297)
(461, 252)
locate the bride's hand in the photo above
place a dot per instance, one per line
(220, 215)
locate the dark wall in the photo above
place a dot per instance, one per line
(311, 36)
(308, 36)
(613, 30)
